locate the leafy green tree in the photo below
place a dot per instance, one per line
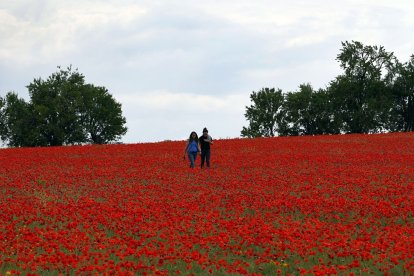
(403, 89)
(296, 111)
(17, 122)
(101, 115)
(308, 112)
(374, 94)
(323, 112)
(3, 122)
(63, 110)
(362, 95)
(264, 113)
(56, 102)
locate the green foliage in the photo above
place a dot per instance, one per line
(308, 112)
(264, 113)
(366, 63)
(101, 115)
(56, 102)
(374, 94)
(17, 122)
(63, 110)
(403, 92)
(3, 126)
(362, 95)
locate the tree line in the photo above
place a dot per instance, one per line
(63, 110)
(374, 94)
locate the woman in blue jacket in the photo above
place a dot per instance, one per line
(192, 148)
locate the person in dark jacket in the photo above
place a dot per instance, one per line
(205, 143)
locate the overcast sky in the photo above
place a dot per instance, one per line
(181, 65)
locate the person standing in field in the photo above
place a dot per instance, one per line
(205, 142)
(192, 148)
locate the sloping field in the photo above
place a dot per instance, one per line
(311, 205)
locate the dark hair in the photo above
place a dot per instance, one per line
(191, 137)
(205, 129)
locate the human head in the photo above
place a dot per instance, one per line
(205, 131)
(193, 136)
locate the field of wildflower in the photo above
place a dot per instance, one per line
(270, 206)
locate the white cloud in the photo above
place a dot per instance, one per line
(29, 40)
(179, 65)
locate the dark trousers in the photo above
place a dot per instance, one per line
(205, 156)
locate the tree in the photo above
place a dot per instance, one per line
(374, 94)
(264, 114)
(308, 112)
(362, 95)
(101, 115)
(17, 123)
(323, 113)
(403, 91)
(3, 123)
(63, 110)
(56, 102)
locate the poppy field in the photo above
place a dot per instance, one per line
(341, 204)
